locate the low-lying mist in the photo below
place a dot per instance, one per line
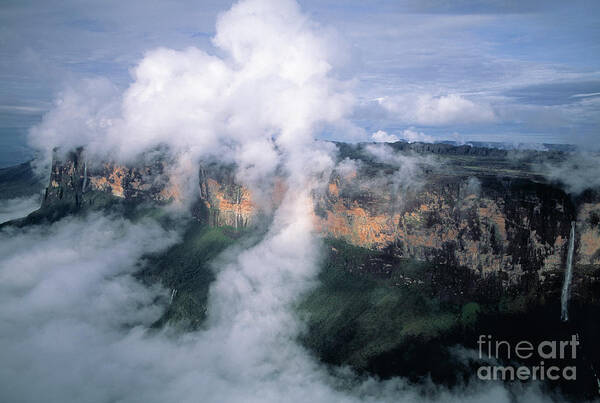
(18, 207)
(77, 324)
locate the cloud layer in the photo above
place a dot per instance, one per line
(428, 110)
(77, 322)
(18, 207)
(411, 135)
(578, 172)
(67, 296)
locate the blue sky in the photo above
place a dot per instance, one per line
(518, 71)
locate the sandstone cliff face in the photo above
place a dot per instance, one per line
(76, 183)
(511, 226)
(225, 202)
(508, 225)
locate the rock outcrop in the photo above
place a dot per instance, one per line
(508, 226)
(76, 183)
(502, 221)
(225, 202)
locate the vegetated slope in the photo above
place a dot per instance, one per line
(389, 316)
(185, 270)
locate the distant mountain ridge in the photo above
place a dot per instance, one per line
(514, 145)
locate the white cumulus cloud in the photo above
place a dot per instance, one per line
(384, 137)
(411, 135)
(256, 104)
(429, 110)
(18, 207)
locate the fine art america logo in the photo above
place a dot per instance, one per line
(549, 350)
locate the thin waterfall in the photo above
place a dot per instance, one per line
(597, 380)
(84, 177)
(173, 293)
(566, 290)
